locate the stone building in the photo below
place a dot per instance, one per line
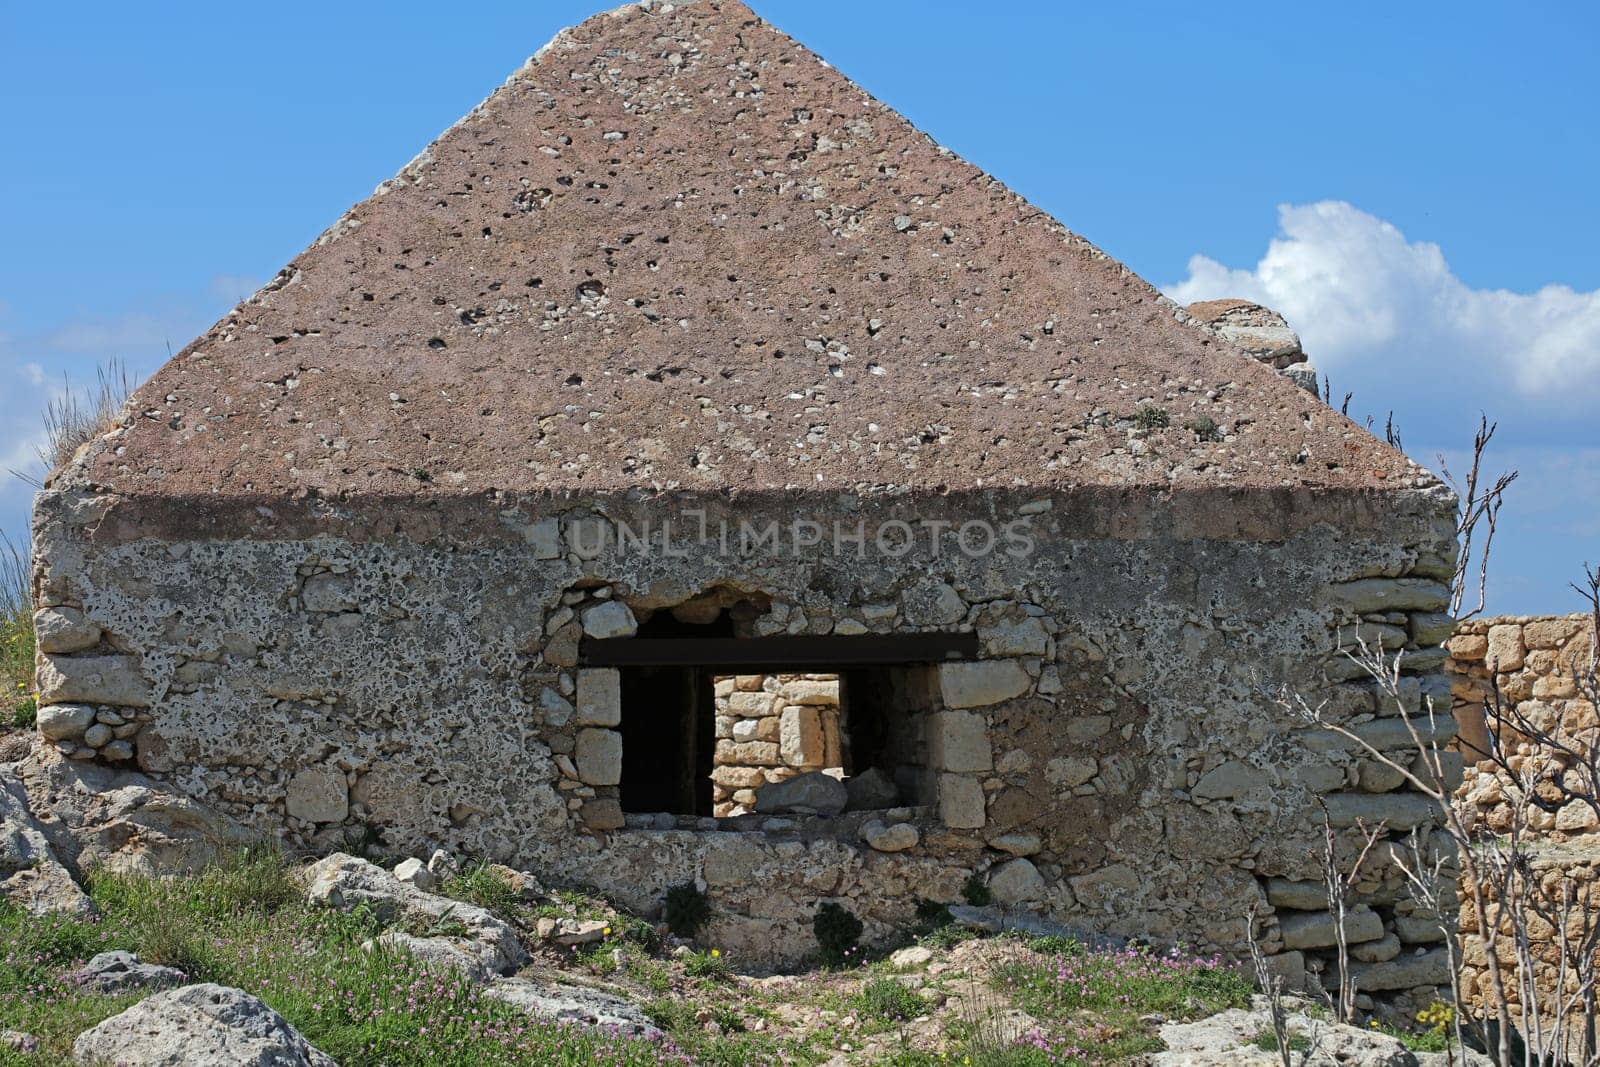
(680, 359)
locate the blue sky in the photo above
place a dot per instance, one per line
(1413, 185)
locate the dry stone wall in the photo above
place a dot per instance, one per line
(1538, 666)
(769, 729)
(1112, 760)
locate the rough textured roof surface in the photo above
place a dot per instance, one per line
(678, 250)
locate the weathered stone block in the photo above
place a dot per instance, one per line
(959, 741)
(1432, 628)
(810, 691)
(1402, 811)
(1414, 931)
(602, 813)
(1015, 882)
(1392, 594)
(1069, 772)
(812, 793)
(976, 685)
(61, 722)
(599, 697)
(611, 618)
(1025, 637)
(1318, 930)
(64, 630)
(1403, 972)
(738, 777)
(749, 753)
(1017, 844)
(93, 680)
(1299, 896)
(961, 804)
(800, 737)
(1506, 651)
(599, 757)
(752, 705)
(318, 794)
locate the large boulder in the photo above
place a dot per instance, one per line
(1228, 1039)
(121, 972)
(812, 793)
(574, 1004)
(198, 1024)
(120, 820)
(345, 881)
(31, 874)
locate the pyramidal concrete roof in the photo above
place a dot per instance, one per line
(678, 251)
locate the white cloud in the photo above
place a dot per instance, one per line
(1357, 290)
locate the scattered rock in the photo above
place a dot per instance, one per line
(1017, 844)
(119, 972)
(895, 838)
(414, 873)
(343, 881)
(906, 958)
(570, 932)
(198, 1024)
(31, 875)
(812, 793)
(609, 619)
(60, 722)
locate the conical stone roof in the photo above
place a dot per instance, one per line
(677, 250)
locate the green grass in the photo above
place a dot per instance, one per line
(17, 706)
(887, 1000)
(242, 923)
(482, 884)
(1090, 1004)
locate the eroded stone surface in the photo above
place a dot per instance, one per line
(197, 1024)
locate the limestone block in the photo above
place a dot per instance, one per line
(1575, 817)
(896, 837)
(1020, 638)
(93, 680)
(961, 804)
(752, 705)
(979, 684)
(871, 790)
(1290, 967)
(1402, 811)
(959, 741)
(800, 737)
(602, 813)
(747, 753)
(599, 697)
(1392, 594)
(61, 722)
(610, 618)
(1226, 781)
(810, 691)
(738, 777)
(318, 794)
(1375, 776)
(1548, 633)
(1506, 651)
(1468, 646)
(329, 593)
(599, 757)
(1403, 972)
(1300, 896)
(1016, 881)
(1317, 929)
(1431, 628)
(64, 630)
(1386, 947)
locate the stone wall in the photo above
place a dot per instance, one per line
(1538, 665)
(1112, 760)
(771, 728)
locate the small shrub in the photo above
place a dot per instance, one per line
(887, 999)
(837, 931)
(1267, 1041)
(1150, 417)
(975, 892)
(708, 965)
(485, 885)
(687, 910)
(1205, 428)
(25, 715)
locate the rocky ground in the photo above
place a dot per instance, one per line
(253, 958)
